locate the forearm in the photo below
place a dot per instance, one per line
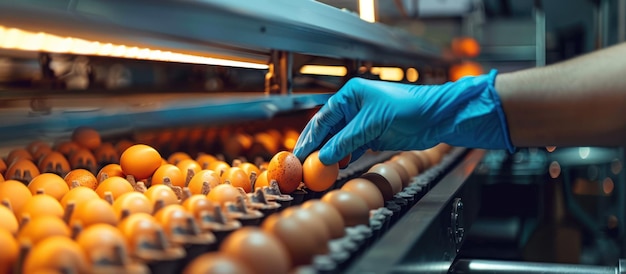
(578, 102)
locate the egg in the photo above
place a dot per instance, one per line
(140, 161)
(250, 168)
(318, 176)
(115, 185)
(58, 255)
(310, 220)
(433, 155)
(171, 172)
(405, 179)
(223, 193)
(163, 193)
(217, 263)
(261, 180)
(41, 205)
(261, 251)
(22, 170)
(219, 167)
(345, 161)
(43, 227)
(34, 146)
(82, 177)
(106, 154)
(204, 160)
(289, 231)
(188, 167)
(103, 245)
(141, 232)
(93, 212)
(197, 181)
(237, 178)
(86, 137)
(9, 222)
(196, 204)
(131, 203)
(407, 161)
(67, 148)
(177, 157)
(286, 169)
(390, 174)
(180, 225)
(18, 154)
(10, 252)
(50, 184)
(1, 178)
(329, 214)
(16, 193)
(41, 152)
(54, 162)
(352, 207)
(366, 190)
(111, 170)
(83, 158)
(424, 162)
(79, 195)
(3, 166)
(290, 139)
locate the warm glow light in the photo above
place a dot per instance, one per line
(324, 70)
(412, 75)
(12, 38)
(388, 74)
(367, 10)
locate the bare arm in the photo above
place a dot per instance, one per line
(580, 102)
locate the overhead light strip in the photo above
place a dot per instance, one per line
(13, 38)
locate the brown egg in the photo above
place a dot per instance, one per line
(286, 169)
(57, 255)
(67, 147)
(345, 161)
(329, 214)
(17, 154)
(176, 221)
(163, 193)
(407, 161)
(352, 207)
(219, 167)
(79, 195)
(132, 202)
(96, 211)
(10, 252)
(115, 185)
(405, 179)
(3, 166)
(41, 205)
(237, 178)
(16, 193)
(50, 183)
(204, 160)
(9, 222)
(1, 177)
(390, 174)
(223, 193)
(177, 157)
(433, 155)
(172, 172)
(81, 176)
(311, 221)
(198, 180)
(34, 146)
(216, 263)
(111, 170)
(318, 176)
(261, 251)
(87, 137)
(289, 232)
(265, 143)
(140, 231)
(102, 242)
(106, 154)
(140, 161)
(54, 162)
(83, 158)
(443, 148)
(22, 170)
(249, 168)
(43, 227)
(196, 204)
(366, 190)
(261, 180)
(290, 139)
(41, 152)
(424, 162)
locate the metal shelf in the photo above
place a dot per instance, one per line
(231, 28)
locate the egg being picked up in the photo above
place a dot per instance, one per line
(318, 176)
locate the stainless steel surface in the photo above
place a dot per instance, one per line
(421, 241)
(511, 267)
(307, 27)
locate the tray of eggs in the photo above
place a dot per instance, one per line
(87, 206)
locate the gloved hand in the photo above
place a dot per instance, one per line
(377, 115)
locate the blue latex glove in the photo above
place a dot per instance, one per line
(377, 115)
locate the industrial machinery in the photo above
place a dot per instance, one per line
(209, 76)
